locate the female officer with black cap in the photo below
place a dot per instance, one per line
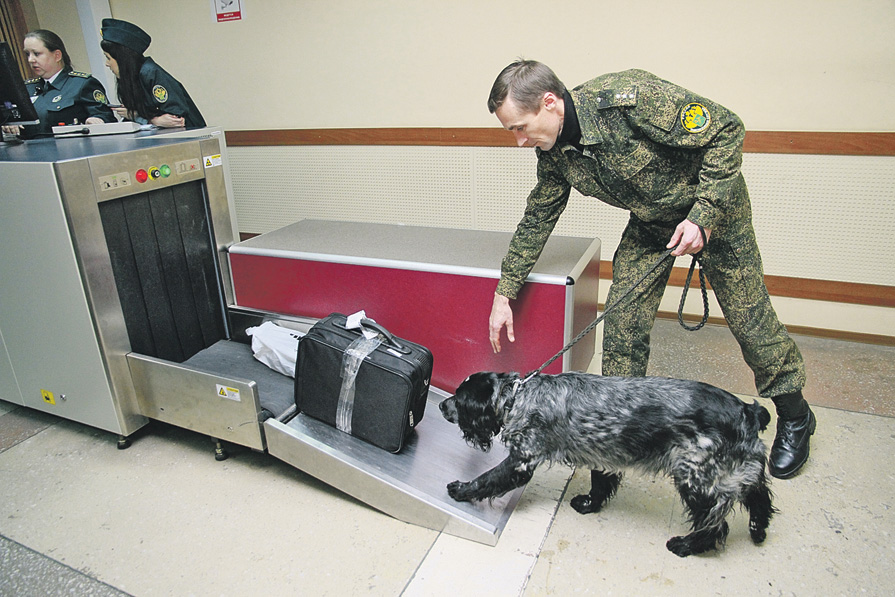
(60, 94)
(147, 91)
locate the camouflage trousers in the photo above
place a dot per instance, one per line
(732, 265)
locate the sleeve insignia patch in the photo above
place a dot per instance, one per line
(100, 97)
(695, 118)
(160, 94)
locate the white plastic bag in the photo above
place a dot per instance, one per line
(275, 346)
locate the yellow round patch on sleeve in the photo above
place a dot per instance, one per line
(695, 118)
(160, 94)
(100, 97)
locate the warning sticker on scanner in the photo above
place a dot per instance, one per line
(213, 160)
(228, 393)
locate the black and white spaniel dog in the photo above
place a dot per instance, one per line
(704, 438)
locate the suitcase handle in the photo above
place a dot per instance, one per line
(369, 323)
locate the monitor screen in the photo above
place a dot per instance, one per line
(15, 105)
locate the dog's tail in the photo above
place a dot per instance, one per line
(758, 415)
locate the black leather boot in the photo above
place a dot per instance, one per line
(795, 426)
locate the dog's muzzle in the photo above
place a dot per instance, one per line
(448, 409)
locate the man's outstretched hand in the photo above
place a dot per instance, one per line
(501, 315)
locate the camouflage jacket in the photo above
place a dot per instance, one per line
(648, 146)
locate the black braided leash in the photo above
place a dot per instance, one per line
(628, 292)
(705, 296)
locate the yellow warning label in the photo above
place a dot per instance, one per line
(48, 397)
(227, 392)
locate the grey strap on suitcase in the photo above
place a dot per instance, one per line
(376, 390)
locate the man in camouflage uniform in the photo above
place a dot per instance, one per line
(672, 158)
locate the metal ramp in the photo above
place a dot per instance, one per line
(410, 485)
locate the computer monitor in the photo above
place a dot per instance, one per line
(15, 105)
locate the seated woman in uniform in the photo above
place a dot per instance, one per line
(60, 94)
(148, 92)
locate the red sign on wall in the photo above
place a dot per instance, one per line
(228, 10)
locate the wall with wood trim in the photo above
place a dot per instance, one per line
(800, 65)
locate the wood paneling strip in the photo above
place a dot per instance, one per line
(460, 137)
(795, 329)
(819, 143)
(802, 288)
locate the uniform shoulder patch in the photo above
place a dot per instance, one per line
(100, 97)
(34, 80)
(76, 73)
(695, 117)
(160, 94)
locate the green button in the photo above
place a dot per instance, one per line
(166, 170)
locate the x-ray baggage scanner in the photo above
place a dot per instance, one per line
(125, 297)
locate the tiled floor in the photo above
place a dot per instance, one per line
(79, 517)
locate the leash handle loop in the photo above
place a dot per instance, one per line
(705, 298)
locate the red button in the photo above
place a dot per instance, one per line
(141, 175)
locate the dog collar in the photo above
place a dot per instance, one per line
(508, 398)
(511, 399)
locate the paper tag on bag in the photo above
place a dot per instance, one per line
(352, 322)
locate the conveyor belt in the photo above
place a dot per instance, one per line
(229, 358)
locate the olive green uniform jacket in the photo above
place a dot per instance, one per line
(664, 154)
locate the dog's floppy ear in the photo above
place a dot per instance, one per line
(477, 415)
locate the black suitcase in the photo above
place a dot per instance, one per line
(390, 384)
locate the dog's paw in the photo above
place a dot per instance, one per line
(757, 533)
(691, 545)
(459, 491)
(679, 546)
(585, 504)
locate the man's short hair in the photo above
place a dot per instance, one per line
(526, 82)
